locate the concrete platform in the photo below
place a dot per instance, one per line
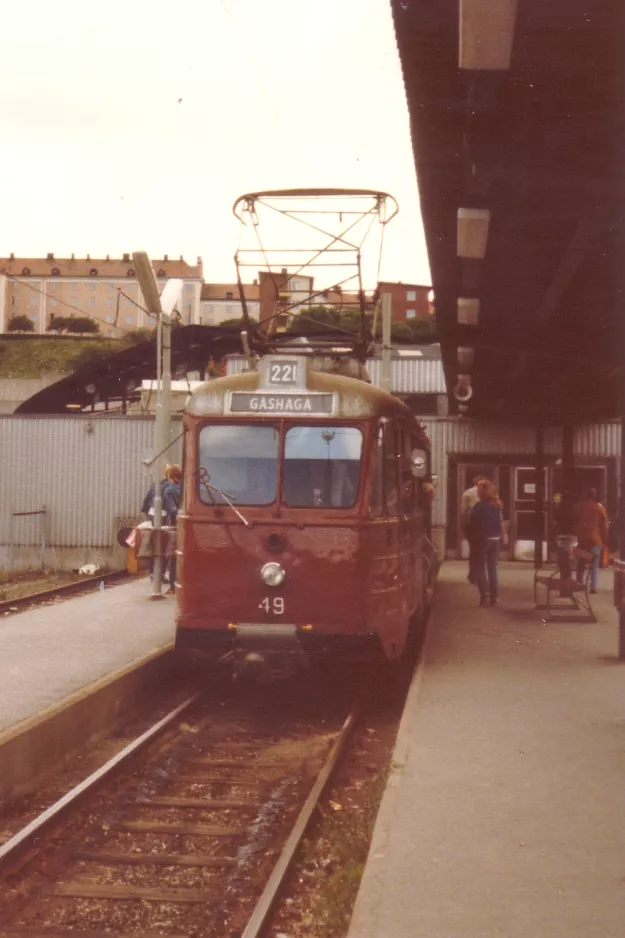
(505, 810)
(52, 652)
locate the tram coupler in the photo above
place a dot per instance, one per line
(266, 653)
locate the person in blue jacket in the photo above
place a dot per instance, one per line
(486, 523)
(171, 505)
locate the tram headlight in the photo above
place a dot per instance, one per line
(272, 574)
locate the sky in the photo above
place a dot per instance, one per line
(135, 124)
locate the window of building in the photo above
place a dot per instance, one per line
(54, 302)
(241, 460)
(410, 313)
(73, 286)
(229, 296)
(111, 286)
(91, 285)
(130, 318)
(53, 286)
(93, 272)
(15, 301)
(109, 301)
(92, 301)
(33, 316)
(109, 333)
(34, 301)
(56, 272)
(26, 272)
(188, 288)
(411, 295)
(110, 317)
(73, 299)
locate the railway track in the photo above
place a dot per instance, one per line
(196, 840)
(85, 585)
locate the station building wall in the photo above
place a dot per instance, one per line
(457, 441)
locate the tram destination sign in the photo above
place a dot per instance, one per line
(264, 403)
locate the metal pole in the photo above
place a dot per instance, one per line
(568, 479)
(149, 288)
(385, 374)
(539, 499)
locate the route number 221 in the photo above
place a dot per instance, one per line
(282, 373)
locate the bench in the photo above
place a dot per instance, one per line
(564, 598)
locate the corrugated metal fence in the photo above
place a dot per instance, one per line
(408, 375)
(85, 472)
(450, 435)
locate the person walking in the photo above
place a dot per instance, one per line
(171, 506)
(486, 524)
(470, 498)
(590, 526)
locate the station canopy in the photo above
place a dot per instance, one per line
(517, 114)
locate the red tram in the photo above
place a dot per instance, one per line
(302, 529)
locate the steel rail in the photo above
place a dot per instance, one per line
(263, 907)
(19, 842)
(65, 589)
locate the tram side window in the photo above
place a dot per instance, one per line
(240, 460)
(408, 489)
(391, 469)
(421, 500)
(385, 481)
(321, 467)
(377, 480)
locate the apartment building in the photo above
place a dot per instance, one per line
(408, 300)
(104, 289)
(221, 301)
(282, 296)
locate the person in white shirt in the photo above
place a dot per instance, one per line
(470, 498)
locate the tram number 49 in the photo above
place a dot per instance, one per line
(273, 604)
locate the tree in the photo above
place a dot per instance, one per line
(20, 324)
(318, 318)
(77, 324)
(84, 326)
(142, 334)
(401, 331)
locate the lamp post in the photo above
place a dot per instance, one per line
(161, 306)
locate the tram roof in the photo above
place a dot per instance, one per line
(357, 399)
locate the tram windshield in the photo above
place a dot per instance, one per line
(241, 461)
(321, 467)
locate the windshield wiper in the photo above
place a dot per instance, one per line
(204, 476)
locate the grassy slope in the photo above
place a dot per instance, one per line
(32, 358)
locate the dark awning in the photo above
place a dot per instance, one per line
(531, 153)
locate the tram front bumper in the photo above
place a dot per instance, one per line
(267, 652)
